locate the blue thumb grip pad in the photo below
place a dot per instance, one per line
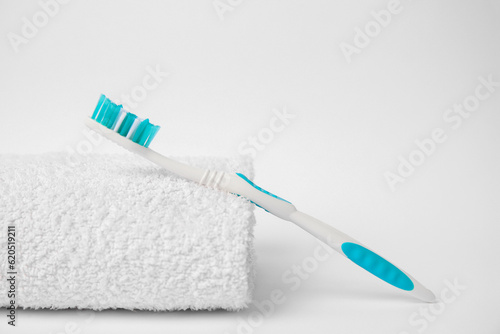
(377, 265)
(259, 188)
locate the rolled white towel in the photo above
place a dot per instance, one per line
(115, 231)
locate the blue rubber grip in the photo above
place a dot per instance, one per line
(259, 188)
(377, 265)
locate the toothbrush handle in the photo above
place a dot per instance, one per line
(241, 185)
(361, 255)
(339, 241)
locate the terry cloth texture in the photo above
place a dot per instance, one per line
(116, 231)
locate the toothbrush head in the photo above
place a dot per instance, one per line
(126, 124)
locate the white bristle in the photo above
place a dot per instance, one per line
(134, 127)
(119, 119)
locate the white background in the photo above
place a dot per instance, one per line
(352, 121)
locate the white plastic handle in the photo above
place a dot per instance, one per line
(241, 185)
(339, 241)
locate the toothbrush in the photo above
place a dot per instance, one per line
(135, 134)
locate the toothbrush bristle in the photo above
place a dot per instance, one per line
(126, 124)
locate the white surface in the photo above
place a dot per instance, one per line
(351, 123)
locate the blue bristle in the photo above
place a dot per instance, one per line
(113, 114)
(139, 131)
(107, 114)
(99, 105)
(103, 110)
(153, 133)
(145, 134)
(126, 124)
